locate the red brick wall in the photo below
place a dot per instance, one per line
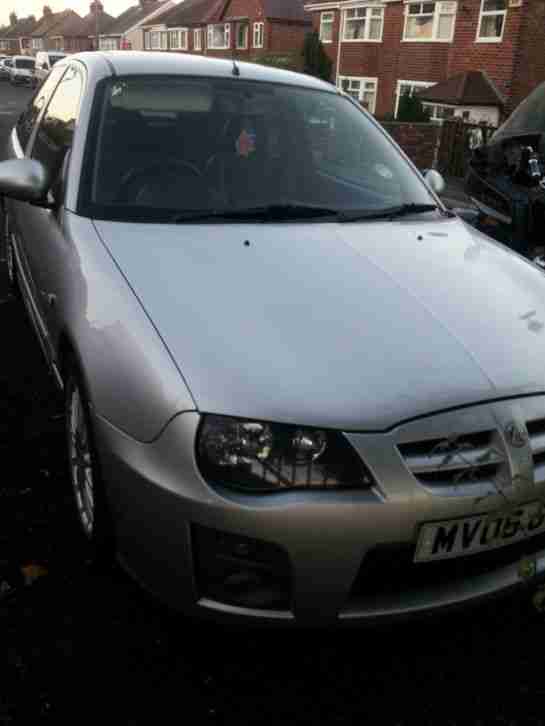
(530, 57)
(287, 37)
(418, 141)
(394, 60)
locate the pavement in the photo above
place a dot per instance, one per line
(83, 646)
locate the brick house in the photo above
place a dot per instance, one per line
(390, 47)
(16, 39)
(63, 31)
(96, 22)
(246, 29)
(125, 31)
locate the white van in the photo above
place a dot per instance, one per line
(22, 69)
(45, 60)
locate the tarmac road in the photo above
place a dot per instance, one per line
(79, 646)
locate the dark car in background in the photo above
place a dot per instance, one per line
(506, 179)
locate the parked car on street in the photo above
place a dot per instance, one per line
(506, 179)
(21, 70)
(5, 67)
(45, 60)
(298, 389)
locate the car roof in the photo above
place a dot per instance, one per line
(125, 62)
(22, 57)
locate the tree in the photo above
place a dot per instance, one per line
(316, 61)
(411, 109)
(12, 18)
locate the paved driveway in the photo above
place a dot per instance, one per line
(78, 646)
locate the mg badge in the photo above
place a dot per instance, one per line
(516, 435)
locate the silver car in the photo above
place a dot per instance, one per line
(298, 389)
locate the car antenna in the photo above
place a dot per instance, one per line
(236, 69)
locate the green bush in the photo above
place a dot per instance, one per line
(316, 61)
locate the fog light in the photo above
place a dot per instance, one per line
(242, 571)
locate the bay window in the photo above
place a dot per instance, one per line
(219, 36)
(364, 90)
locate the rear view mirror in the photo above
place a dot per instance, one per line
(24, 179)
(434, 180)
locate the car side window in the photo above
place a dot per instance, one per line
(56, 129)
(27, 120)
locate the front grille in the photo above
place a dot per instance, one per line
(536, 433)
(461, 459)
(389, 570)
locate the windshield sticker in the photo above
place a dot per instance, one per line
(383, 171)
(245, 144)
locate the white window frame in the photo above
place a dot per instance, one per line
(37, 44)
(447, 8)
(58, 43)
(367, 15)
(226, 35)
(147, 42)
(197, 39)
(258, 35)
(107, 43)
(433, 108)
(164, 39)
(239, 27)
(155, 39)
(489, 13)
(180, 35)
(327, 19)
(413, 84)
(362, 81)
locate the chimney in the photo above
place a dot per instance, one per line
(96, 7)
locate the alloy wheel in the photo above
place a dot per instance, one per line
(81, 462)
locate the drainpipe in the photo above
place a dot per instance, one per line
(338, 48)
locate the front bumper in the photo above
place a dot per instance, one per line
(350, 552)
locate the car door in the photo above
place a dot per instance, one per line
(19, 147)
(41, 229)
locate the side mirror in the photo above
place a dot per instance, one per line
(24, 179)
(434, 180)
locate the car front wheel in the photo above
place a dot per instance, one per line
(89, 493)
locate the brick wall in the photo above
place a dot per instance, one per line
(417, 140)
(530, 57)
(393, 59)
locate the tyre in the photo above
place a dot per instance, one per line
(89, 494)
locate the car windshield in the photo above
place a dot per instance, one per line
(24, 63)
(169, 149)
(54, 58)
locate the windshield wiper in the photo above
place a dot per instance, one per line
(268, 213)
(386, 213)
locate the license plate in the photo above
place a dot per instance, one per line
(457, 537)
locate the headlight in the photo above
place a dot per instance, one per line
(254, 456)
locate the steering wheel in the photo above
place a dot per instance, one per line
(155, 172)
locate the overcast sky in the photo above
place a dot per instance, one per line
(34, 7)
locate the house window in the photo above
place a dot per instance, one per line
(197, 39)
(326, 27)
(429, 21)
(219, 36)
(108, 43)
(58, 44)
(37, 44)
(242, 36)
(155, 39)
(363, 24)
(164, 41)
(147, 45)
(258, 35)
(408, 87)
(177, 39)
(491, 21)
(364, 90)
(438, 112)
